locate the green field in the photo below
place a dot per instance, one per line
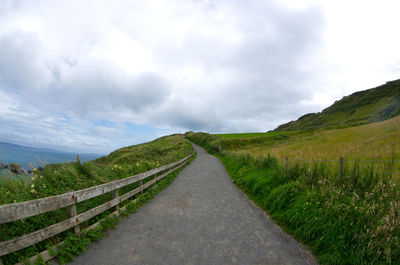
(349, 218)
(60, 178)
(347, 213)
(249, 135)
(239, 135)
(375, 141)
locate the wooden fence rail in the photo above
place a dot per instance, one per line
(16, 211)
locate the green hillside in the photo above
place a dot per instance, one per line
(60, 178)
(363, 107)
(295, 174)
(297, 177)
(374, 141)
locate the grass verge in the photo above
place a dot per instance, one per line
(349, 220)
(60, 178)
(76, 244)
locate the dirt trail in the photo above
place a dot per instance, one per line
(201, 218)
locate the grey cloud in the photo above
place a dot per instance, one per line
(21, 68)
(70, 86)
(102, 92)
(247, 56)
(187, 114)
(30, 126)
(264, 70)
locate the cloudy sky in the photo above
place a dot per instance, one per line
(92, 76)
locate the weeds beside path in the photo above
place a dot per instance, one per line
(201, 218)
(57, 179)
(349, 219)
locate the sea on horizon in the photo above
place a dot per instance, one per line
(30, 157)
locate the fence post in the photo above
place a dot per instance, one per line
(72, 212)
(115, 194)
(286, 163)
(341, 169)
(141, 184)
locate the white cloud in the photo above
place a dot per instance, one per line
(360, 43)
(183, 65)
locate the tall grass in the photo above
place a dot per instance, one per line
(370, 142)
(60, 178)
(350, 220)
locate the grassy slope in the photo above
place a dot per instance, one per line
(60, 178)
(373, 141)
(362, 107)
(240, 135)
(348, 128)
(353, 220)
(349, 219)
(124, 162)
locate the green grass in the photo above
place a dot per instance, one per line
(60, 178)
(363, 107)
(76, 244)
(237, 142)
(251, 135)
(349, 220)
(240, 135)
(369, 142)
(346, 219)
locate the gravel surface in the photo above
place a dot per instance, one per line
(201, 218)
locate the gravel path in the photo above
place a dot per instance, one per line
(201, 218)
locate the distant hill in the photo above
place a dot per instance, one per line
(29, 157)
(372, 105)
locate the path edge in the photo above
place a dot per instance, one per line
(304, 249)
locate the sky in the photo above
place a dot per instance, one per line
(96, 75)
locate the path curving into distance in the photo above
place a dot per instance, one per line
(201, 218)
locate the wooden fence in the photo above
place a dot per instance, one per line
(17, 211)
(341, 163)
